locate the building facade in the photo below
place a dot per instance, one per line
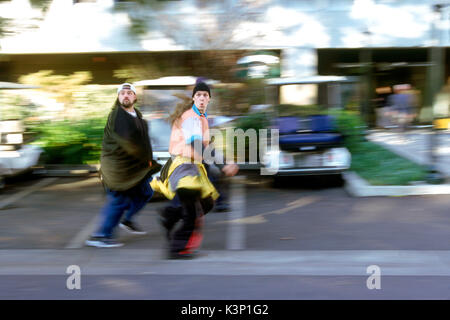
(385, 41)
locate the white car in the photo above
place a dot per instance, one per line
(15, 156)
(159, 131)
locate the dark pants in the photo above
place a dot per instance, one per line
(188, 236)
(222, 185)
(131, 201)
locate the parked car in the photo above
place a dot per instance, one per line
(309, 144)
(159, 132)
(16, 155)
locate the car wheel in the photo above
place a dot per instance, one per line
(278, 182)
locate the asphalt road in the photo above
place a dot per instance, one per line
(291, 218)
(302, 241)
(214, 287)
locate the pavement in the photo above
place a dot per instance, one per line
(293, 244)
(228, 262)
(226, 275)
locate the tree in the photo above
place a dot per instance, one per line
(61, 88)
(206, 30)
(10, 27)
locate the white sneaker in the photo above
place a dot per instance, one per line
(102, 242)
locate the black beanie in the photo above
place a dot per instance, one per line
(201, 86)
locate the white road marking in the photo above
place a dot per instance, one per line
(236, 231)
(260, 218)
(17, 196)
(78, 241)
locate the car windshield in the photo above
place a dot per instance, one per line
(159, 131)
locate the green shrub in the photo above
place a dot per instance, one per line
(68, 142)
(351, 126)
(255, 121)
(371, 161)
(382, 167)
(252, 121)
(283, 110)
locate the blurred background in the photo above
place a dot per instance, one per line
(60, 62)
(350, 85)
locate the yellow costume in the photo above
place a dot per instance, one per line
(184, 174)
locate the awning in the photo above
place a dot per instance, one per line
(12, 85)
(309, 80)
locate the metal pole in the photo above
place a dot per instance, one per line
(236, 228)
(436, 81)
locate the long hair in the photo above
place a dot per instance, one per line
(181, 107)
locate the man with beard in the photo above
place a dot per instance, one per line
(126, 168)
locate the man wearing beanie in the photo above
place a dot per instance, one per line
(185, 177)
(126, 167)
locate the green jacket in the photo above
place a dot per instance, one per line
(126, 150)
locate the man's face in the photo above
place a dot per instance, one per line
(127, 98)
(201, 100)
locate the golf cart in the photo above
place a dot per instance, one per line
(309, 144)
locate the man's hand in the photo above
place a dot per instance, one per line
(230, 169)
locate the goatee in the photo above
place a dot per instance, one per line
(127, 104)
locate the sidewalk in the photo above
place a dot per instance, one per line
(224, 276)
(415, 145)
(287, 243)
(227, 262)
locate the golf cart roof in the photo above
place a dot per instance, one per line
(12, 85)
(171, 82)
(309, 80)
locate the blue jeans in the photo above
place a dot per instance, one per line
(117, 202)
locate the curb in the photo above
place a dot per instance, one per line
(358, 187)
(94, 261)
(354, 184)
(66, 170)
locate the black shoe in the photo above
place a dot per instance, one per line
(168, 217)
(102, 242)
(166, 226)
(180, 256)
(222, 207)
(131, 227)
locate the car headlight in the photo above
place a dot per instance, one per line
(13, 138)
(337, 157)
